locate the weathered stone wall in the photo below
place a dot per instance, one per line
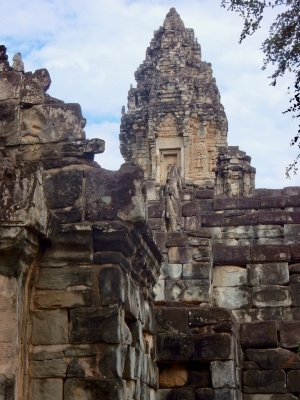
(77, 260)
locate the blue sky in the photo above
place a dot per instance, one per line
(91, 49)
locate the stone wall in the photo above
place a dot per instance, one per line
(77, 259)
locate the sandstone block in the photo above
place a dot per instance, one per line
(191, 223)
(237, 232)
(93, 325)
(197, 270)
(272, 202)
(61, 298)
(293, 381)
(49, 327)
(268, 231)
(295, 293)
(259, 334)
(111, 286)
(239, 220)
(63, 188)
(232, 297)
(244, 203)
(273, 358)
(234, 255)
(171, 320)
(174, 348)
(175, 394)
(293, 217)
(180, 255)
(268, 274)
(112, 360)
(67, 122)
(47, 389)
(269, 253)
(159, 290)
(219, 346)
(208, 316)
(9, 117)
(273, 381)
(295, 252)
(204, 194)
(229, 275)
(212, 220)
(271, 217)
(271, 296)
(289, 334)
(292, 233)
(188, 290)
(10, 84)
(223, 374)
(110, 389)
(61, 278)
(227, 394)
(131, 303)
(171, 271)
(287, 396)
(225, 203)
(190, 209)
(205, 394)
(48, 368)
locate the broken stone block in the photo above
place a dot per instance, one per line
(232, 297)
(49, 327)
(174, 348)
(259, 334)
(111, 286)
(188, 290)
(173, 375)
(48, 368)
(268, 274)
(271, 296)
(273, 381)
(218, 346)
(62, 278)
(229, 275)
(93, 325)
(289, 334)
(223, 374)
(47, 389)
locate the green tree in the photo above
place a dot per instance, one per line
(281, 48)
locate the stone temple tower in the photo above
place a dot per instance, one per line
(174, 114)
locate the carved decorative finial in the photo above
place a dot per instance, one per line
(131, 87)
(3, 55)
(123, 110)
(18, 64)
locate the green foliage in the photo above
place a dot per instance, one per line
(281, 48)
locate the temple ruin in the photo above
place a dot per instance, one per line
(173, 278)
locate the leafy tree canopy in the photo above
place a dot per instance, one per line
(281, 48)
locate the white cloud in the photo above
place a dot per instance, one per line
(92, 48)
